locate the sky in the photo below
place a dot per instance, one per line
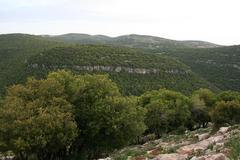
(216, 21)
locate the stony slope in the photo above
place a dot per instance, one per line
(201, 144)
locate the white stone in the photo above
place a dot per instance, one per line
(203, 136)
(172, 156)
(223, 130)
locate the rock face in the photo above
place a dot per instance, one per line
(115, 69)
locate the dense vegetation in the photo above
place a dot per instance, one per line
(15, 49)
(166, 111)
(170, 73)
(81, 115)
(219, 66)
(68, 116)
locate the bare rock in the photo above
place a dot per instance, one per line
(200, 146)
(108, 158)
(172, 156)
(218, 156)
(203, 136)
(223, 130)
(216, 139)
(197, 158)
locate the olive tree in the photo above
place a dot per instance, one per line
(36, 120)
(106, 119)
(166, 110)
(226, 113)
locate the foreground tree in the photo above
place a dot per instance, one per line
(37, 121)
(202, 102)
(166, 111)
(199, 114)
(106, 119)
(226, 113)
(227, 109)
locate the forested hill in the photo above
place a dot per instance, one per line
(220, 66)
(15, 49)
(134, 41)
(134, 71)
(217, 64)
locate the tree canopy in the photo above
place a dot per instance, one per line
(106, 119)
(166, 110)
(36, 119)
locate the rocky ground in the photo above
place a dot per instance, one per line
(202, 144)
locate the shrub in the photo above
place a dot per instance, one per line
(106, 119)
(166, 110)
(226, 113)
(36, 120)
(199, 116)
(234, 146)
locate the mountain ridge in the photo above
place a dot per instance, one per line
(130, 40)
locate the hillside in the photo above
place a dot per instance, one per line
(15, 49)
(201, 144)
(220, 66)
(133, 70)
(135, 41)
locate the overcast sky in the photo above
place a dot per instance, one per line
(216, 21)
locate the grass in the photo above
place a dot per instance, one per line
(234, 146)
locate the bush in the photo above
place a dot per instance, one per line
(226, 113)
(67, 115)
(234, 146)
(207, 96)
(106, 119)
(228, 96)
(166, 111)
(37, 121)
(199, 116)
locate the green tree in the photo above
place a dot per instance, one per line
(166, 110)
(106, 119)
(228, 96)
(199, 113)
(206, 95)
(226, 113)
(202, 102)
(1, 101)
(36, 120)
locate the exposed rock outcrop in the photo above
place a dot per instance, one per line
(196, 145)
(115, 69)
